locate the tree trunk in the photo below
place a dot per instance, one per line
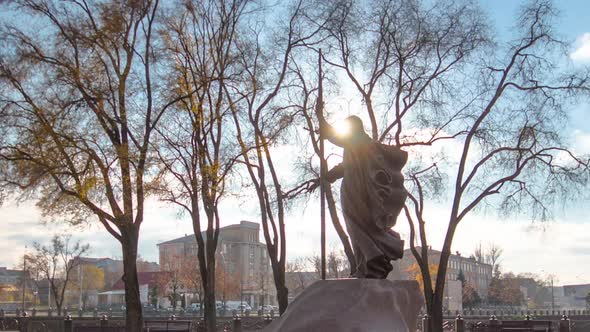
(133, 316)
(435, 312)
(210, 305)
(436, 315)
(340, 231)
(282, 298)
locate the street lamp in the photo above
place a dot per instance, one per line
(552, 290)
(448, 298)
(35, 300)
(81, 282)
(24, 276)
(552, 295)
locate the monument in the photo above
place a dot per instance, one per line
(372, 195)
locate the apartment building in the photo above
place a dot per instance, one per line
(240, 256)
(476, 273)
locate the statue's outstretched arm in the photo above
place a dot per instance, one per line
(328, 132)
(335, 173)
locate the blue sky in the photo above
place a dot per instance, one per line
(560, 247)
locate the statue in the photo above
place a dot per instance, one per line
(372, 195)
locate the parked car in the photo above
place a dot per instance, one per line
(148, 308)
(244, 307)
(266, 308)
(194, 307)
(237, 305)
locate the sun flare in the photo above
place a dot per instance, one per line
(342, 128)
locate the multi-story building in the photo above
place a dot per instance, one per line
(11, 286)
(570, 297)
(477, 274)
(10, 277)
(153, 287)
(242, 258)
(113, 268)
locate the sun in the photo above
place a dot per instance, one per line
(342, 128)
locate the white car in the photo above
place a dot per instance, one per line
(244, 306)
(194, 307)
(266, 308)
(237, 305)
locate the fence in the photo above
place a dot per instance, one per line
(97, 313)
(28, 323)
(578, 322)
(514, 323)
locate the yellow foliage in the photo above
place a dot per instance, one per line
(7, 293)
(416, 273)
(91, 277)
(87, 185)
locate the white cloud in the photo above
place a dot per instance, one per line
(582, 142)
(543, 248)
(582, 51)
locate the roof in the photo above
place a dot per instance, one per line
(191, 237)
(183, 239)
(7, 272)
(146, 278)
(243, 224)
(91, 259)
(577, 285)
(113, 292)
(96, 260)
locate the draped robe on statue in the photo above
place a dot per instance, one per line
(372, 195)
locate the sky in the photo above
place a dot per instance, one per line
(560, 247)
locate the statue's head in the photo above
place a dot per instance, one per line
(355, 124)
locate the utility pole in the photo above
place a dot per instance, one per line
(242, 290)
(48, 294)
(319, 113)
(552, 290)
(24, 277)
(262, 275)
(552, 296)
(80, 280)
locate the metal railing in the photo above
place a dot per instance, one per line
(493, 324)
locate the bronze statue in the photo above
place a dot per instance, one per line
(372, 195)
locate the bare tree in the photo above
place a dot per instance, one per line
(493, 256)
(511, 150)
(402, 57)
(87, 280)
(488, 255)
(429, 74)
(262, 123)
(173, 281)
(479, 253)
(312, 128)
(336, 264)
(191, 277)
(196, 149)
(79, 100)
(295, 271)
(229, 282)
(57, 263)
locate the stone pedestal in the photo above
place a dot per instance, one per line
(353, 305)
